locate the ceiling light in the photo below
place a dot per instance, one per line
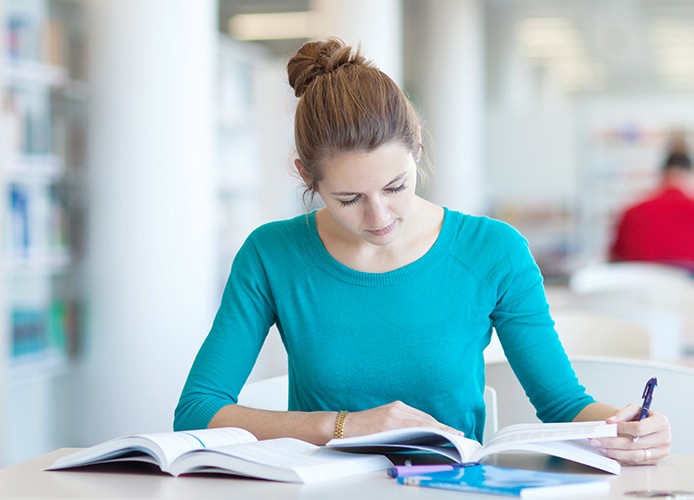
(548, 38)
(553, 51)
(544, 23)
(274, 26)
(677, 68)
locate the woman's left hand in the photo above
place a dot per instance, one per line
(638, 442)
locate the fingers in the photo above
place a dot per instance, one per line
(399, 414)
(641, 442)
(638, 456)
(655, 426)
(626, 452)
(395, 415)
(626, 442)
(626, 414)
(627, 425)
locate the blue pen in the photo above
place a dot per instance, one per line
(647, 397)
(412, 470)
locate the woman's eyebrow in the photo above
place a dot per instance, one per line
(348, 193)
(397, 179)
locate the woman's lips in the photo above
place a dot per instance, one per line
(383, 231)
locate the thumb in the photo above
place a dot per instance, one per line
(626, 414)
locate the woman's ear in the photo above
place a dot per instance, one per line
(420, 147)
(302, 172)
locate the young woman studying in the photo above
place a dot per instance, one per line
(384, 300)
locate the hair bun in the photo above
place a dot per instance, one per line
(315, 59)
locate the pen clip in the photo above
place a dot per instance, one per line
(652, 382)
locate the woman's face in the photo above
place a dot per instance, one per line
(369, 194)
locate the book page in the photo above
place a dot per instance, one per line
(158, 448)
(579, 451)
(174, 444)
(283, 459)
(565, 440)
(539, 432)
(457, 448)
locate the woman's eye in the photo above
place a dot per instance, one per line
(347, 203)
(355, 200)
(401, 187)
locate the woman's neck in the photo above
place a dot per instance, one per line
(418, 234)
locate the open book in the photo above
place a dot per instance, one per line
(565, 440)
(227, 451)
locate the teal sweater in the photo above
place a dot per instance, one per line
(358, 340)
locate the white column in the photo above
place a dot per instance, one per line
(5, 323)
(453, 100)
(151, 230)
(375, 24)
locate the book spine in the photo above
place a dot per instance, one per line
(428, 483)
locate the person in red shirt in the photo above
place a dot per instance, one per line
(660, 228)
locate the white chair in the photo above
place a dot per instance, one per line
(626, 275)
(592, 333)
(607, 329)
(646, 286)
(268, 394)
(271, 394)
(491, 424)
(613, 381)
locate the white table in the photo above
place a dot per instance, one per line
(27, 480)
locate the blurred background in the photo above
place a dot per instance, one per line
(141, 141)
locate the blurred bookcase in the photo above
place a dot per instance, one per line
(552, 230)
(239, 147)
(255, 137)
(624, 164)
(42, 176)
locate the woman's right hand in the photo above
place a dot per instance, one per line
(395, 415)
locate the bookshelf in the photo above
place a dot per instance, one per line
(623, 165)
(551, 228)
(255, 185)
(239, 147)
(42, 162)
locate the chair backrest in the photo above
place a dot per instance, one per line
(267, 394)
(593, 333)
(271, 394)
(664, 323)
(627, 276)
(491, 424)
(644, 285)
(585, 332)
(613, 381)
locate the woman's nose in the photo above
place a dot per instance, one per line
(377, 213)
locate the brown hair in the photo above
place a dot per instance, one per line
(345, 104)
(677, 161)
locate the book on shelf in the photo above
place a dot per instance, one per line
(230, 451)
(567, 440)
(495, 480)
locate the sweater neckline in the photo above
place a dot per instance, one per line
(419, 267)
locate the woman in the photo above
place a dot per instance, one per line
(384, 301)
